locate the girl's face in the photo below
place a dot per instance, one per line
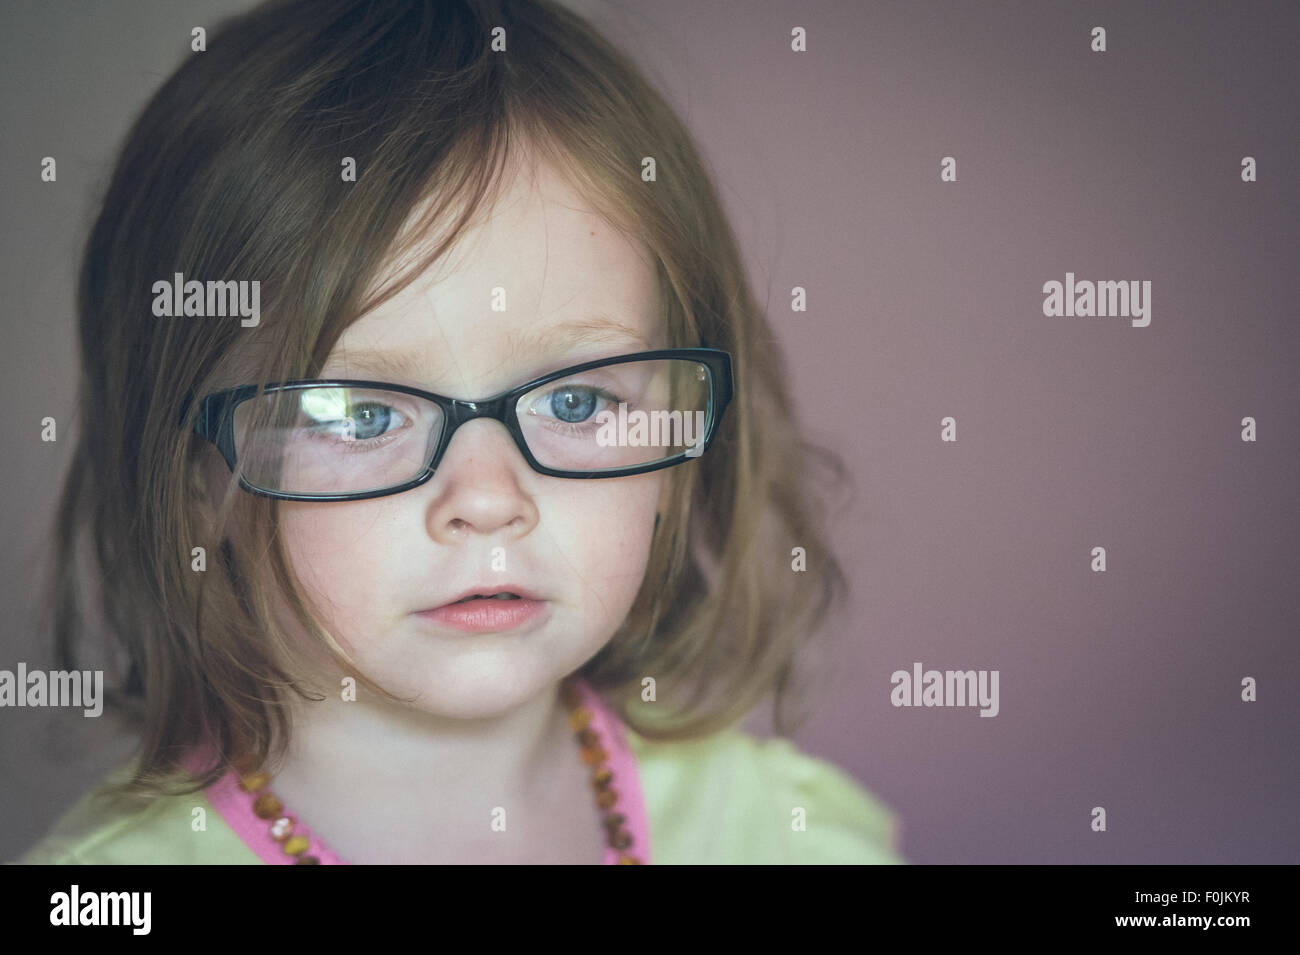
(573, 290)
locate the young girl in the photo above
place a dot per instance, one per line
(438, 466)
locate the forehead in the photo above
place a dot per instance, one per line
(539, 281)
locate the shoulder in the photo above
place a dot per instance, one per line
(167, 830)
(734, 798)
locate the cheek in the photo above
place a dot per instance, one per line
(338, 560)
(606, 537)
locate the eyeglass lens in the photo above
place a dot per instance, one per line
(343, 440)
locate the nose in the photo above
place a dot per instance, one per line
(479, 487)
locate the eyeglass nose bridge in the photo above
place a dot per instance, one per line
(460, 412)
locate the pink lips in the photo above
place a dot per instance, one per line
(486, 614)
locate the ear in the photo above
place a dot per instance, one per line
(207, 475)
(666, 485)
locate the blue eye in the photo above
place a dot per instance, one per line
(371, 420)
(572, 405)
(357, 424)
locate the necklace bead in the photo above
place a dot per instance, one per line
(268, 807)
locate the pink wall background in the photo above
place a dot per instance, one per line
(1118, 689)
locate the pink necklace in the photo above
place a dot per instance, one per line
(267, 807)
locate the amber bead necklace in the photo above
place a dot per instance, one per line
(281, 825)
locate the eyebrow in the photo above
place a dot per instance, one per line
(594, 331)
(543, 342)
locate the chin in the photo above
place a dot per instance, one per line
(483, 694)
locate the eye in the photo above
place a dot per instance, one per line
(569, 407)
(370, 420)
(358, 422)
(571, 403)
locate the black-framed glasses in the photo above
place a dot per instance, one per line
(348, 440)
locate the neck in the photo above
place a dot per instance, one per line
(392, 746)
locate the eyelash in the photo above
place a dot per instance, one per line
(356, 445)
(320, 431)
(571, 428)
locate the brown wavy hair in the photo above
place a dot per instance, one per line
(233, 170)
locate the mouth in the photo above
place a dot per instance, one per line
(498, 596)
(490, 611)
(504, 592)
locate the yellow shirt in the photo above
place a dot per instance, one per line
(726, 798)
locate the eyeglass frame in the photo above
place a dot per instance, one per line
(215, 421)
